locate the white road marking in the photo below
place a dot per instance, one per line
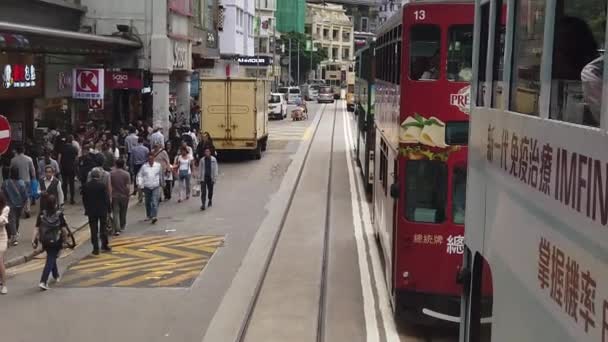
(384, 305)
(369, 309)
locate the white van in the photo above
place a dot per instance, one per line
(291, 93)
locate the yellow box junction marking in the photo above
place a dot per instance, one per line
(145, 261)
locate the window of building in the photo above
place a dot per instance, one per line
(325, 33)
(460, 53)
(364, 24)
(346, 36)
(345, 53)
(335, 34)
(527, 52)
(307, 29)
(459, 192)
(425, 191)
(424, 52)
(576, 90)
(334, 53)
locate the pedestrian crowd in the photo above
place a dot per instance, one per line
(137, 160)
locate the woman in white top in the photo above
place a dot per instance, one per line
(183, 164)
(3, 242)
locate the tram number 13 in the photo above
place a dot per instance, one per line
(420, 15)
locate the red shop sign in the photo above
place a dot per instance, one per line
(123, 80)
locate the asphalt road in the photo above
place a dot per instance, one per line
(176, 280)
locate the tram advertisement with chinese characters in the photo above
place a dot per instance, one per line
(547, 192)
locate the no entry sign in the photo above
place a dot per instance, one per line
(5, 134)
(88, 84)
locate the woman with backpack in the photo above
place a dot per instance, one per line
(4, 209)
(51, 233)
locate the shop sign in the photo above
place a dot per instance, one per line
(123, 80)
(20, 76)
(96, 104)
(181, 55)
(88, 84)
(255, 60)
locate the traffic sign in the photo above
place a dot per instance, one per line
(5, 134)
(88, 84)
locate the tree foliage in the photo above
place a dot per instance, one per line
(299, 40)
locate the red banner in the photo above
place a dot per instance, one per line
(123, 80)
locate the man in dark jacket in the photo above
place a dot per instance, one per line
(67, 164)
(87, 162)
(96, 202)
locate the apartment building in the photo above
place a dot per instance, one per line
(332, 30)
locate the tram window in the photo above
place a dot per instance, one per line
(460, 53)
(499, 56)
(425, 191)
(459, 190)
(576, 87)
(527, 52)
(398, 68)
(424, 52)
(483, 54)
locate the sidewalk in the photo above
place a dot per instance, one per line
(15, 255)
(74, 215)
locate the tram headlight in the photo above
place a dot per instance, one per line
(406, 275)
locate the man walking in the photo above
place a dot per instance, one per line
(157, 138)
(150, 179)
(131, 139)
(139, 156)
(96, 206)
(25, 166)
(120, 180)
(50, 185)
(208, 176)
(67, 163)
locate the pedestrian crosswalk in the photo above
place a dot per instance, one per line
(289, 130)
(145, 261)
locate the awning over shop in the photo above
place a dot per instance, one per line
(17, 37)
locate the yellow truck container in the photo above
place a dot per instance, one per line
(235, 113)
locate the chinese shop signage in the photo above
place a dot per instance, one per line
(20, 76)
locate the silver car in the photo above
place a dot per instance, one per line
(325, 95)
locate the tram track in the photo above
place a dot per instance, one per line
(244, 330)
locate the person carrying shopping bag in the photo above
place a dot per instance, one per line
(4, 209)
(52, 234)
(208, 172)
(183, 164)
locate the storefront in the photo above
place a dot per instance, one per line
(124, 97)
(21, 84)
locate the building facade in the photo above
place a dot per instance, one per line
(331, 29)
(262, 65)
(53, 68)
(386, 9)
(291, 15)
(172, 32)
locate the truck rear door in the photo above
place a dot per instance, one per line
(241, 116)
(215, 108)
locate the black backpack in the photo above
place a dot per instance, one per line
(50, 230)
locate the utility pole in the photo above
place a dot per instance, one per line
(274, 55)
(289, 74)
(298, 64)
(312, 48)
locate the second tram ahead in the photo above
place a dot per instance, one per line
(423, 66)
(364, 108)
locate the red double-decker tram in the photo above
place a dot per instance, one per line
(423, 69)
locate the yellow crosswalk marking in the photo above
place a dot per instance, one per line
(146, 261)
(176, 280)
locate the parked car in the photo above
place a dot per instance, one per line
(277, 106)
(326, 94)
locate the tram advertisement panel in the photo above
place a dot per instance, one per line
(547, 223)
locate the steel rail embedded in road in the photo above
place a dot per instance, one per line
(323, 283)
